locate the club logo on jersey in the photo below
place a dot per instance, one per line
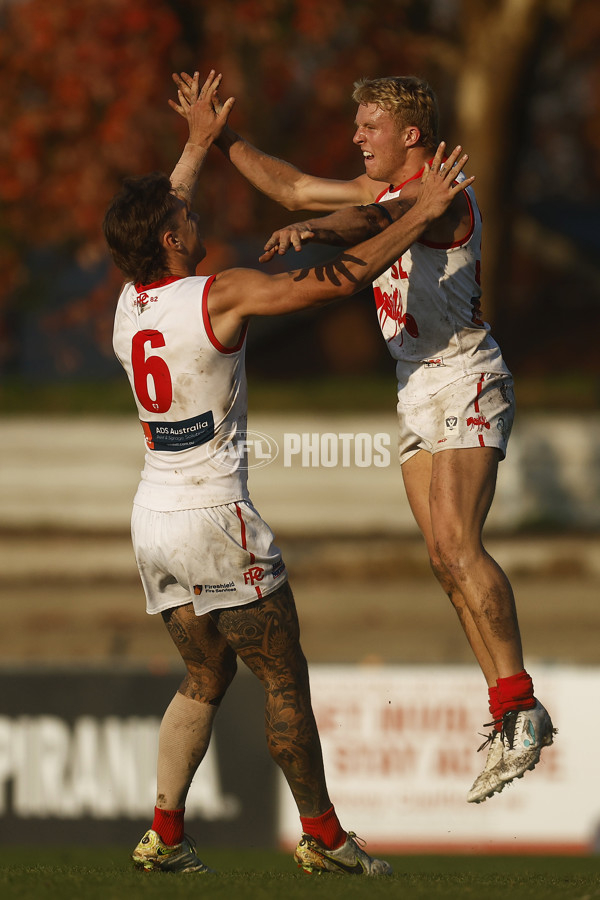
(142, 300)
(434, 363)
(254, 574)
(501, 425)
(450, 424)
(392, 318)
(478, 423)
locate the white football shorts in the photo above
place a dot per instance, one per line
(475, 411)
(213, 557)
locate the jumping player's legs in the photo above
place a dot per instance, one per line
(450, 493)
(266, 636)
(416, 472)
(450, 445)
(461, 490)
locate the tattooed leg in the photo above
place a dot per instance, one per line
(187, 723)
(210, 661)
(266, 636)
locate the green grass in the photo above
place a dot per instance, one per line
(257, 874)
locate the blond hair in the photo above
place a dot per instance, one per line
(409, 99)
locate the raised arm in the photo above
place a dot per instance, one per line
(238, 294)
(280, 180)
(347, 227)
(286, 184)
(196, 107)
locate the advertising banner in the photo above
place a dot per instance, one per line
(78, 760)
(400, 743)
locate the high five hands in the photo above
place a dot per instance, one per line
(201, 107)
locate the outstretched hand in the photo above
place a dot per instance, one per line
(284, 238)
(205, 114)
(438, 184)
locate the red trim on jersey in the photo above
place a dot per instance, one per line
(479, 387)
(393, 189)
(462, 241)
(258, 591)
(157, 284)
(432, 244)
(208, 326)
(242, 526)
(414, 177)
(243, 533)
(383, 193)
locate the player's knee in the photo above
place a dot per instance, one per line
(209, 683)
(438, 568)
(449, 551)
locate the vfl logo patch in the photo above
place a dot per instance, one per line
(450, 424)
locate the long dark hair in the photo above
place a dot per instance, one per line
(134, 224)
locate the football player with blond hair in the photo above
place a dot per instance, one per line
(455, 392)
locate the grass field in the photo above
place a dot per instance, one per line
(254, 875)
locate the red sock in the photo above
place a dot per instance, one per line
(168, 823)
(325, 828)
(516, 692)
(496, 709)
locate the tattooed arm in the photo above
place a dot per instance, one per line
(343, 228)
(237, 294)
(204, 127)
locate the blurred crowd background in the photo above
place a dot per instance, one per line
(83, 104)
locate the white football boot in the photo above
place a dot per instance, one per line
(488, 782)
(524, 733)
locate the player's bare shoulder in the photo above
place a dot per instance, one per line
(454, 226)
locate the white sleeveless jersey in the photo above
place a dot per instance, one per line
(428, 306)
(190, 393)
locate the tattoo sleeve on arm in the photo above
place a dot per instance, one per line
(381, 210)
(351, 226)
(330, 270)
(386, 213)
